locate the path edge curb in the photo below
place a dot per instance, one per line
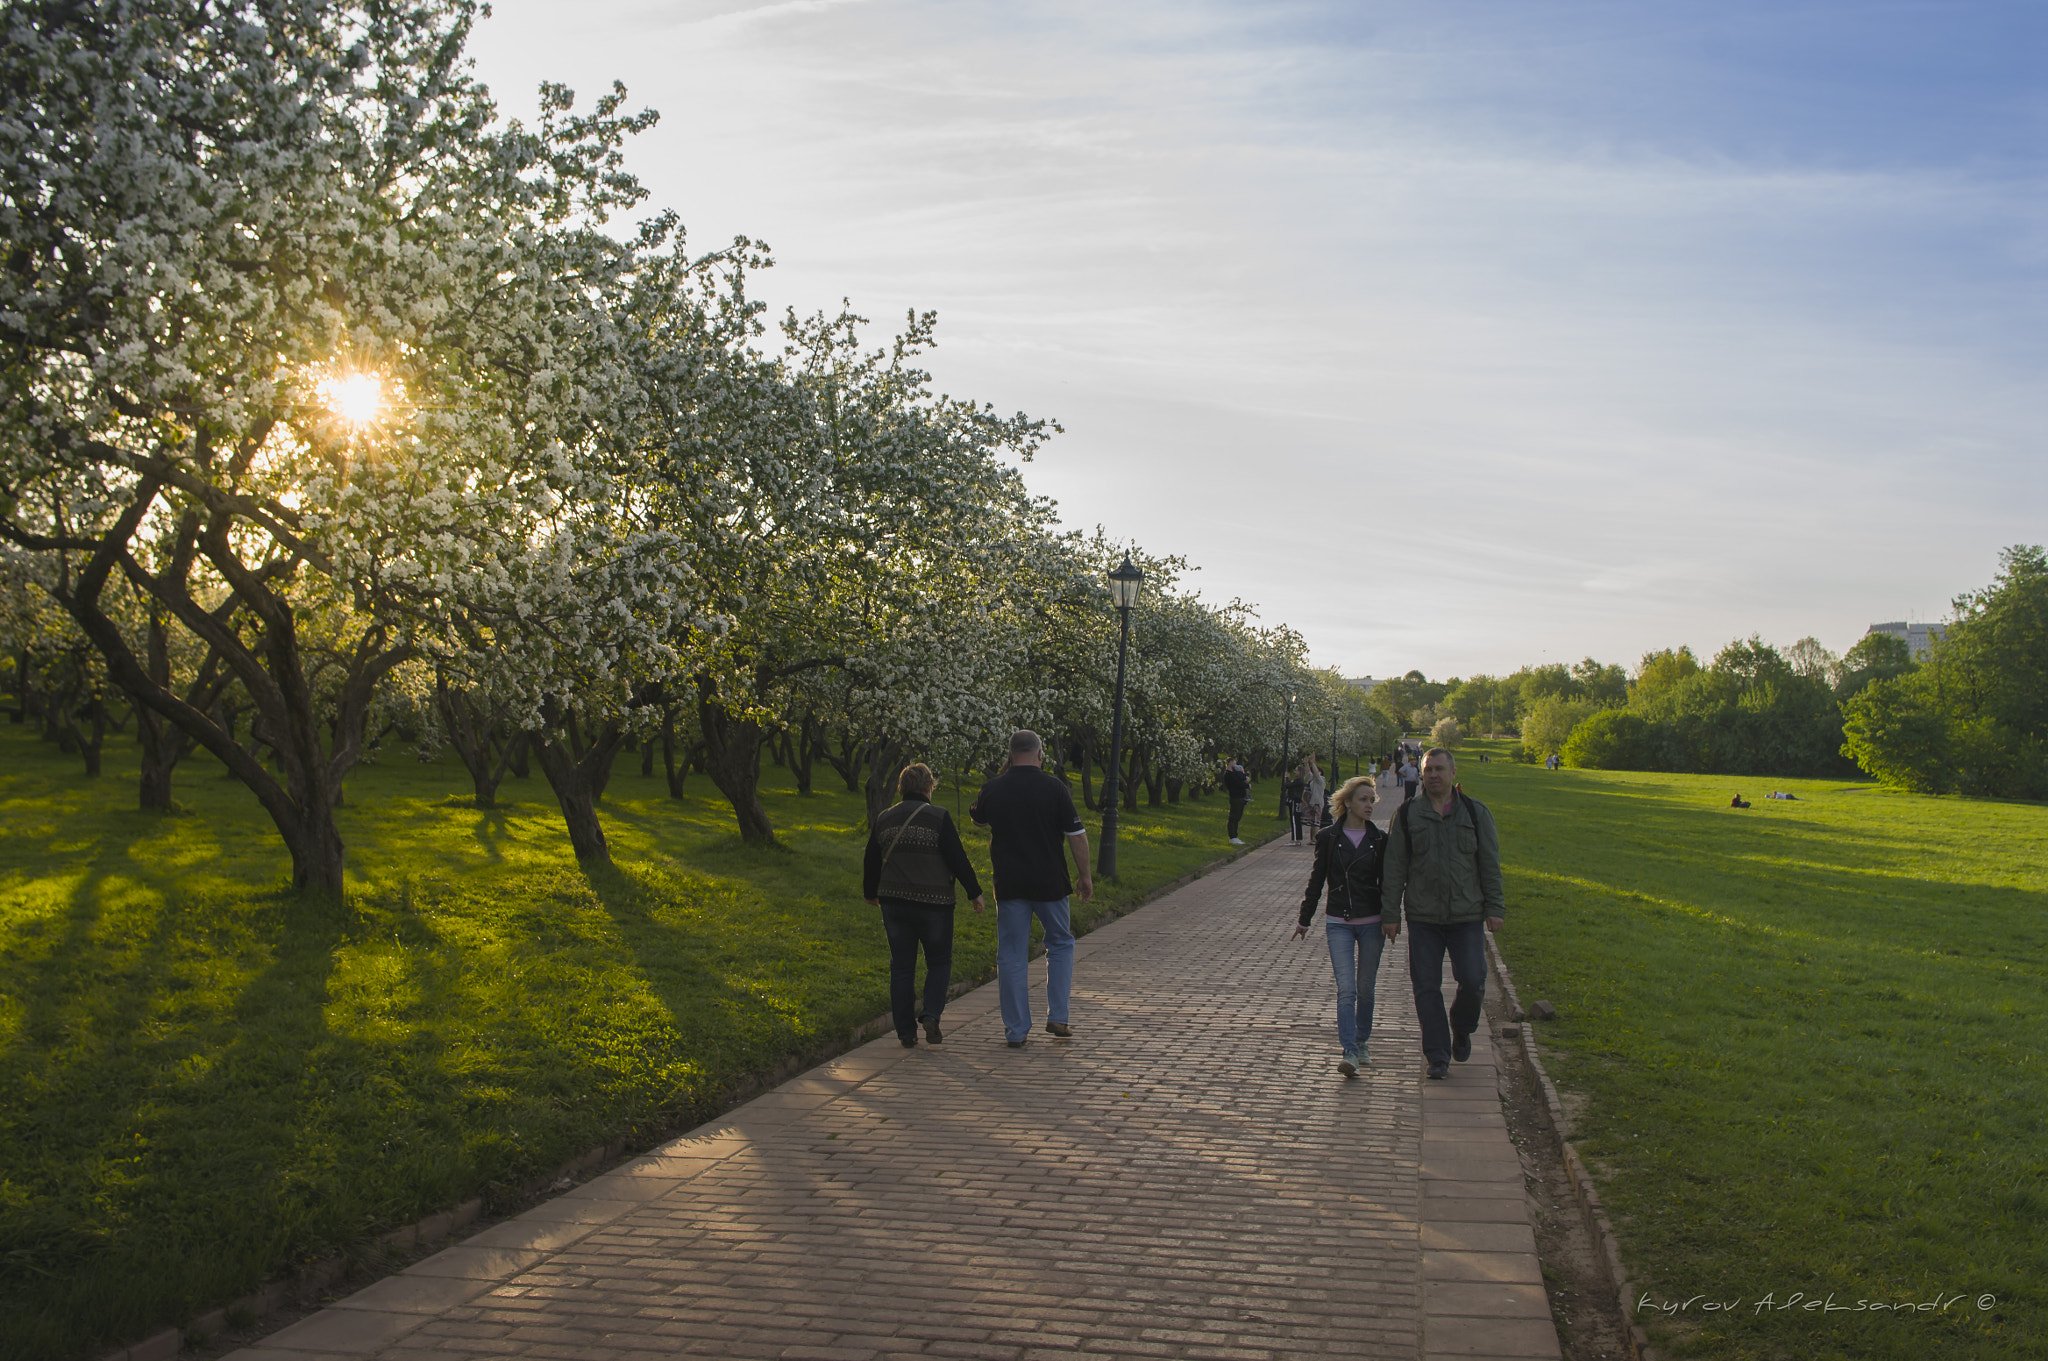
(166, 1343)
(1583, 1189)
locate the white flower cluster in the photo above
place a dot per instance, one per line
(314, 361)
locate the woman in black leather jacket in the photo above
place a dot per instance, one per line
(1348, 854)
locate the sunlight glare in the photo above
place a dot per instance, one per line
(357, 398)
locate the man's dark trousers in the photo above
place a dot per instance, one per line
(1466, 943)
(908, 926)
(1236, 812)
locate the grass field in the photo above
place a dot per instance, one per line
(1805, 1043)
(205, 1080)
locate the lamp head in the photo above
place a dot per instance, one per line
(1124, 583)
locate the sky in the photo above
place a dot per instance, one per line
(1460, 334)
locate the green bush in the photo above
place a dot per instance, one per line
(1549, 723)
(1613, 739)
(1895, 732)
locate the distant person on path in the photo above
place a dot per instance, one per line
(1443, 869)
(1031, 815)
(914, 855)
(1237, 783)
(1313, 790)
(1409, 777)
(1290, 800)
(1349, 860)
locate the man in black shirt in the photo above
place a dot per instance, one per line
(1237, 783)
(1030, 814)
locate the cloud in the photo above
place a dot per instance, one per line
(1684, 323)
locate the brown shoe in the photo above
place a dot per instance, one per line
(1059, 1028)
(931, 1031)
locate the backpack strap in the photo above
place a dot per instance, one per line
(1408, 833)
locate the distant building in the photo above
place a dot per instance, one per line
(1361, 683)
(1919, 637)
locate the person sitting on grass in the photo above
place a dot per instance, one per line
(1737, 802)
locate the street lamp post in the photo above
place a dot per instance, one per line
(1123, 592)
(1286, 742)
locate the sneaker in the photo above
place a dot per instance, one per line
(1439, 1070)
(1059, 1028)
(907, 1041)
(1237, 841)
(1348, 1065)
(931, 1030)
(1015, 1044)
(1461, 1047)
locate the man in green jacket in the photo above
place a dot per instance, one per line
(1443, 867)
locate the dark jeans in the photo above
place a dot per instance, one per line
(1236, 813)
(1427, 944)
(910, 925)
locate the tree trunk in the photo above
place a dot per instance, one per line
(1087, 777)
(1133, 763)
(478, 737)
(602, 776)
(516, 759)
(806, 752)
(1155, 784)
(884, 763)
(1172, 790)
(646, 758)
(57, 726)
(668, 753)
(155, 792)
(732, 758)
(846, 760)
(315, 732)
(89, 747)
(576, 772)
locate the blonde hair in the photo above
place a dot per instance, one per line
(916, 779)
(1341, 804)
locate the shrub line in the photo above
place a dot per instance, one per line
(1583, 1189)
(318, 1276)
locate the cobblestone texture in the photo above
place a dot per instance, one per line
(1187, 1177)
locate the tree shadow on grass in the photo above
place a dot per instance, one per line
(157, 1180)
(747, 983)
(490, 830)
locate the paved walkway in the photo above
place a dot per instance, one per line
(1187, 1177)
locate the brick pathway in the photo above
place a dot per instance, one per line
(1187, 1177)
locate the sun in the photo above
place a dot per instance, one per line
(357, 398)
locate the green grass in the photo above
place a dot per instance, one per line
(1807, 1039)
(205, 1079)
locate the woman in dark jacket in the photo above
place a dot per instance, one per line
(914, 855)
(1348, 854)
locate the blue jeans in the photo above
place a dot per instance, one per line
(1427, 944)
(1355, 959)
(910, 925)
(1013, 961)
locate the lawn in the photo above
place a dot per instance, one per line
(205, 1079)
(1804, 1042)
